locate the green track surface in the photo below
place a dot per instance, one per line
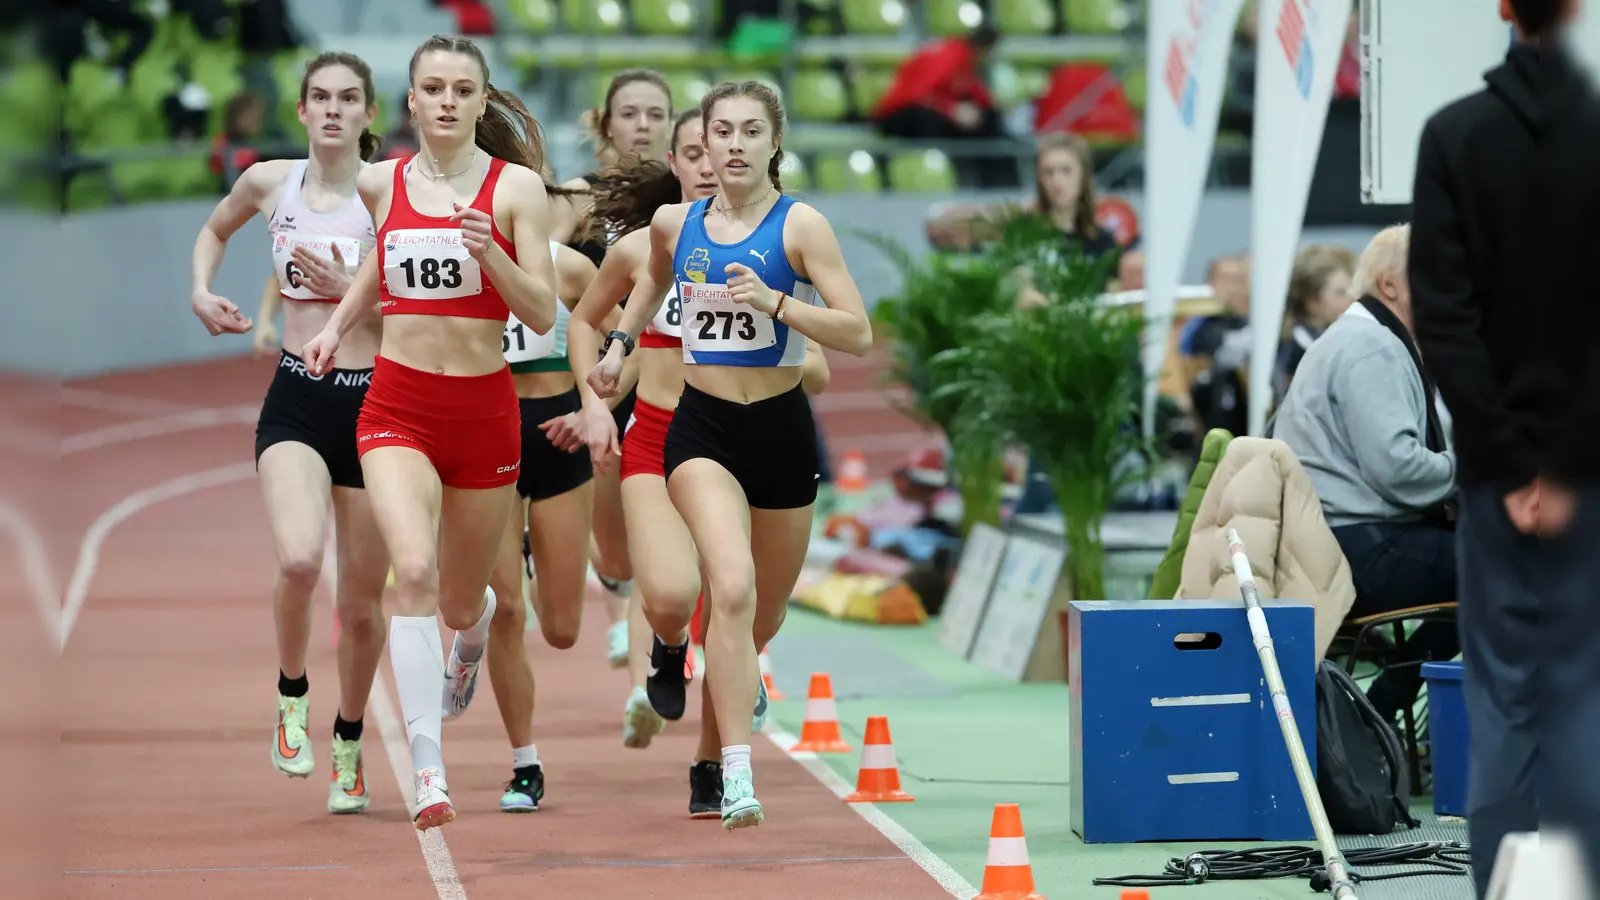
(966, 740)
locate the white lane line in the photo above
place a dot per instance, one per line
(88, 398)
(43, 590)
(127, 508)
(171, 423)
(948, 878)
(435, 852)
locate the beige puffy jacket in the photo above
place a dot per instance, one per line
(1261, 490)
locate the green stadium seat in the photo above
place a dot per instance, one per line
(948, 18)
(848, 173)
(1094, 16)
(288, 67)
(1133, 85)
(532, 16)
(867, 87)
(688, 87)
(33, 96)
(873, 16)
(1024, 18)
(819, 95)
(173, 178)
(761, 75)
(1032, 80)
(89, 190)
(672, 17)
(593, 16)
(119, 128)
(921, 172)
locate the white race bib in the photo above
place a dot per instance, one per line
(321, 246)
(669, 318)
(522, 344)
(429, 264)
(714, 322)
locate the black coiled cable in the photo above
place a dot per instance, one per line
(1431, 858)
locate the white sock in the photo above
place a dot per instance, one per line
(470, 643)
(417, 660)
(523, 757)
(735, 758)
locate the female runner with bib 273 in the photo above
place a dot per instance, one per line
(306, 436)
(758, 274)
(440, 434)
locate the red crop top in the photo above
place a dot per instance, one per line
(426, 269)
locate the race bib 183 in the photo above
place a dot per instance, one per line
(714, 322)
(429, 264)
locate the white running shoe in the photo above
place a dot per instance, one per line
(640, 721)
(291, 749)
(432, 808)
(348, 791)
(617, 644)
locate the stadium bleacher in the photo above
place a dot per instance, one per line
(560, 54)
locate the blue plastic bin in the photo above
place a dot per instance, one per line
(1447, 737)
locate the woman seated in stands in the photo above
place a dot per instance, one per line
(1064, 170)
(1319, 292)
(1362, 417)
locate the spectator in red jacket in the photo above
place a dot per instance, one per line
(940, 93)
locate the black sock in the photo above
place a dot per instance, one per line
(346, 731)
(293, 687)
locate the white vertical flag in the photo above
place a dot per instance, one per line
(1187, 60)
(1297, 56)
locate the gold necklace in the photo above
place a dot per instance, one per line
(729, 209)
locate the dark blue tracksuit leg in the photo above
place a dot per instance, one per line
(1531, 657)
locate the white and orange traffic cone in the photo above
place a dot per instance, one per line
(878, 780)
(766, 676)
(1008, 875)
(852, 474)
(820, 731)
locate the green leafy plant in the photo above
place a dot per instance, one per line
(1062, 379)
(939, 299)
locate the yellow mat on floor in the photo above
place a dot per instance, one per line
(863, 598)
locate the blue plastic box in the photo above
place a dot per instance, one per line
(1447, 737)
(1175, 739)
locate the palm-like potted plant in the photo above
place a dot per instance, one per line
(933, 312)
(1063, 379)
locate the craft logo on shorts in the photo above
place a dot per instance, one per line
(504, 469)
(1296, 42)
(697, 265)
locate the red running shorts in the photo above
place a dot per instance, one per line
(644, 441)
(469, 426)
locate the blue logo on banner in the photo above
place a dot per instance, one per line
(1303, 68)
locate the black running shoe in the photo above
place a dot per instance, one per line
(705, 790)
(526, 789)
(666, 684)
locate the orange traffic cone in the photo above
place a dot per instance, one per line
(766, 677)
(878, 781)
(852, 476)
(1135, 894)
(820, 731)
(1008, 874)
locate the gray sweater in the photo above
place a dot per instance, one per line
(1355, 416)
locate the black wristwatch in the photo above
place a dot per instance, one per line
(627, 343)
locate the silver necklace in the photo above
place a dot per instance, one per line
(436, 175)
(729, 209)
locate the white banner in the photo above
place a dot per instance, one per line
(1187, 60)
(1297, 56)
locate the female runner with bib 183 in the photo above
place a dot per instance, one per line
(758, 275)
(462, 244)
(306, 436)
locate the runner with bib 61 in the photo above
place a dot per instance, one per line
(759, 275)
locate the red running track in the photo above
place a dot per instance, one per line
(167, 705)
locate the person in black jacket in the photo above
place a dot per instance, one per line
(1505, 237)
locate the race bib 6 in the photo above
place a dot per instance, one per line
(321, 246)
(429, 264)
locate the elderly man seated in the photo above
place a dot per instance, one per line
(1361, 416)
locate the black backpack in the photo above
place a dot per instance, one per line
(1361, 764)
